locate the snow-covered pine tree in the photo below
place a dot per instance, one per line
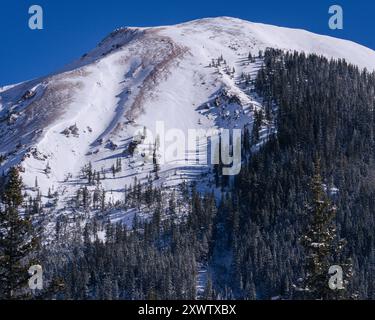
(155, 162)
(322, 245)
(17, 240)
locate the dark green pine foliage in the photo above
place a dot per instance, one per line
(155, 259)
(325, 110)
(321, 244)
(155, 164)
(17, 241)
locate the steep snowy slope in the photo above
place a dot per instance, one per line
(54, 126)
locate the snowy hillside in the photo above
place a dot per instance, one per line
(188, 76)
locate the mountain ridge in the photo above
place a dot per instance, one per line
(133, 78)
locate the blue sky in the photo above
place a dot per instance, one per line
(73, 27)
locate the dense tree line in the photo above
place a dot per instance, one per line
(156, 258)
(326, 111)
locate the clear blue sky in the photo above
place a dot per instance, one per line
(72, 27)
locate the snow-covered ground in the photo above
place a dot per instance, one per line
(52, 127)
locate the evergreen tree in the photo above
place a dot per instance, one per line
(320, 242)
(155, 162)
(17, 241)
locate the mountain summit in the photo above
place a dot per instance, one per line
(87, 114)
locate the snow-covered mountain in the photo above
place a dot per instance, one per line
(54, 126)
